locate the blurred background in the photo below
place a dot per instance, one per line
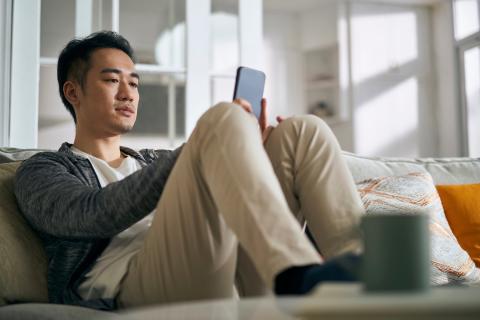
(391, 78)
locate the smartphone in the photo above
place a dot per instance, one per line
(249, 85)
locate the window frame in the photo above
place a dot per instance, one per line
(462, 45)
(83, 27)
(5, 61)
(21, 111)
(24, 74)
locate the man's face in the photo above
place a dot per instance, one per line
(108, 102)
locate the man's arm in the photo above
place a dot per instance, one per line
(57, 202)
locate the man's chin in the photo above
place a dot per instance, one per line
(123, 128)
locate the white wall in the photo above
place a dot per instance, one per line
(392, 81)
(319, 29)
(283, 64)
(448, 109)
(433, 103)
(287, 35)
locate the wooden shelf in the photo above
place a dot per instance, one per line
(322, 84)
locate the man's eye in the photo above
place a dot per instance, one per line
(112, 80)
(134, 84)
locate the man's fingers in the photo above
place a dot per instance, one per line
(266, 133)
(263, 120)
(244, 104)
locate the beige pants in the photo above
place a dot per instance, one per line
(231, 208)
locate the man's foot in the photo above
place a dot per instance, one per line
(302, 279)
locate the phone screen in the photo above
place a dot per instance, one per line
(249, 85)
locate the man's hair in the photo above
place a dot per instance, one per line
(74, 60)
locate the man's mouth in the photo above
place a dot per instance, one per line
(125, 111)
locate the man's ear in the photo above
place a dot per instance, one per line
(71, 90)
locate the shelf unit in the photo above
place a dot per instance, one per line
(322, 91)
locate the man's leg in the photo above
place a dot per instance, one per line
(248, 281)
(222, 189)
(316, 181)
(318, 186)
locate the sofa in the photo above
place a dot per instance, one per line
(23, 264)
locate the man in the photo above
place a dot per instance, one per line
(123, 228)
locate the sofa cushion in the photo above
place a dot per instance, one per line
(43, 311)
(443, 170)
(23, 266)
(15, 154)
(462, 208)
(363, 168)
(415, 193)
(453, 170)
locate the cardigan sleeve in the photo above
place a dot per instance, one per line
(54, 196)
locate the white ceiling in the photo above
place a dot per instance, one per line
(303, 5)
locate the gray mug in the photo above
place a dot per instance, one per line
(397, 252)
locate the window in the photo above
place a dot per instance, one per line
(467, 35)
(471, 64)
(5, 47)
(466, 18)
(55, 125)
(159, 44)
(173, 41)
(391, 72)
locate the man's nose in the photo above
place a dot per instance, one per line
(125, 92)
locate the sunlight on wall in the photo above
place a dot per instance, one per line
(389, 121)
(386, 67)
(390, 36)
(472, 86)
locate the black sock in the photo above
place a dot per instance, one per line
(302, 279)
(290, 281)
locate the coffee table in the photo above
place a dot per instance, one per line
(330, 301)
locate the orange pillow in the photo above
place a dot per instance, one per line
(461, 204)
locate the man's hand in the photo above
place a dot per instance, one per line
(265, 129)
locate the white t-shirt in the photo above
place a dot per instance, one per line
(104, 279)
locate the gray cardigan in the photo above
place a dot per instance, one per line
(60, 196)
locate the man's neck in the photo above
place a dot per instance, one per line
(107, 149)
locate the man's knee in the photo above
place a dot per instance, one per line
(307, 126)
(310, 121)
(225, 114)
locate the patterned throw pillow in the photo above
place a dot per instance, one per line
(415, 193)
